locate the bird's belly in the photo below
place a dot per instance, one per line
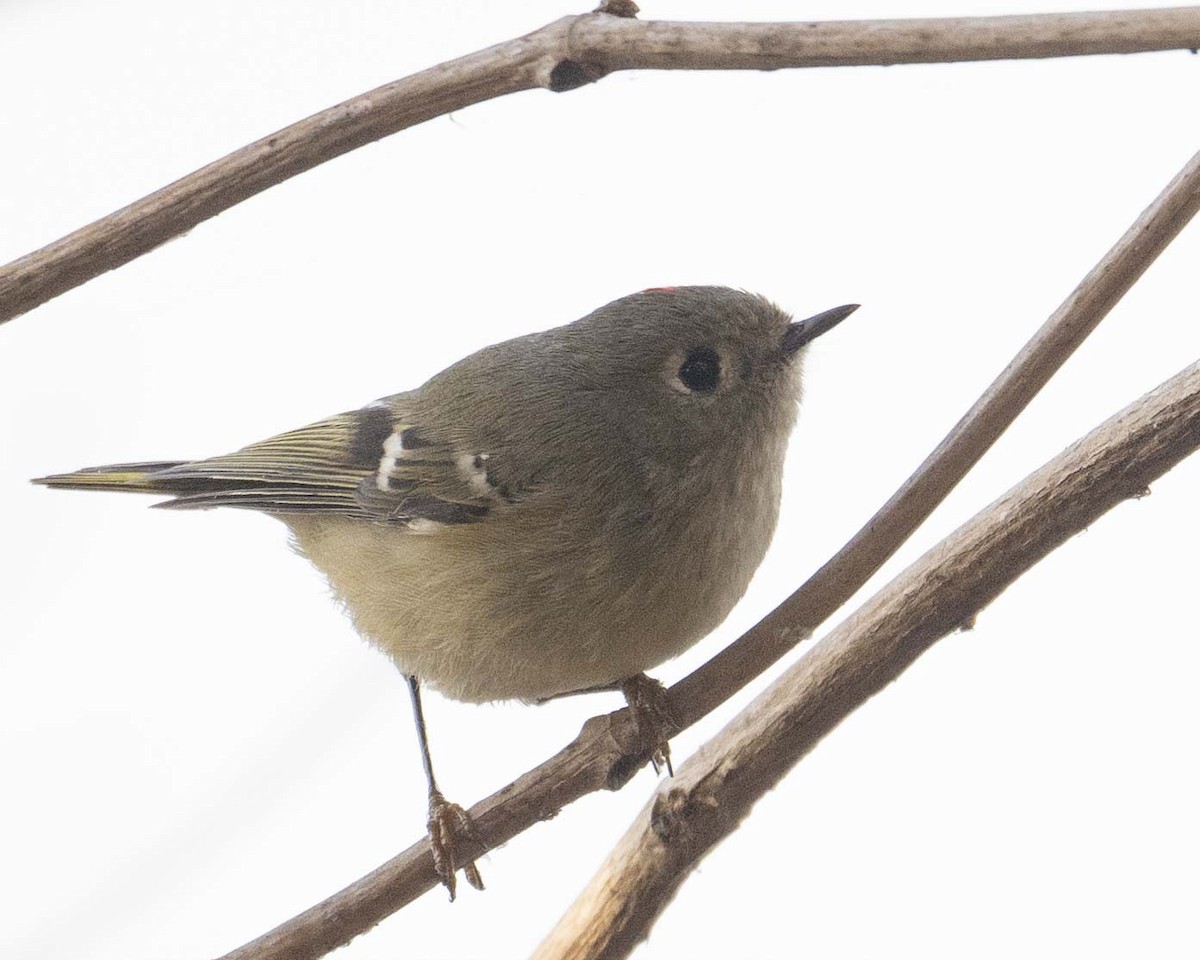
(478, 620)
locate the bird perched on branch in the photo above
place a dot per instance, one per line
(555, 513)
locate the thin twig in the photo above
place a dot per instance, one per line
(942, 590)
(1031, 369)
(607, 750)
(563, 55)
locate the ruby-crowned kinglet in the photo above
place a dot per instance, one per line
(554, 513)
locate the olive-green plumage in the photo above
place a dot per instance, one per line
(552, 513)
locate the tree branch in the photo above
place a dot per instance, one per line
(607, 752)
(944, 589)
(1030, 370)
(561, 56)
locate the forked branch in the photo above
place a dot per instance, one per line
(941, 591)
(578, 50)
(561, 56)
(606, 752)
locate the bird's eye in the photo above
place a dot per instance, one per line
(701, 371)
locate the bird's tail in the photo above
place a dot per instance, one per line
(314, 468)
(130, 477)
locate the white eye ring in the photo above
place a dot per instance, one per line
(698, 372)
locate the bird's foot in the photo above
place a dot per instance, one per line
(651, 711)
(448, 822)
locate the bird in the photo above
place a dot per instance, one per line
(556, 513)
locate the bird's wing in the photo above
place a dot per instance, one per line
(370, 463)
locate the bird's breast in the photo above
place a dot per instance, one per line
(555, 593)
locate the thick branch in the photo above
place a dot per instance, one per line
(1030, 370)
(561, 56)
(633, 45)
(606, 752)
(941, 591)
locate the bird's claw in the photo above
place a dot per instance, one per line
(651, 711)
(448, 822)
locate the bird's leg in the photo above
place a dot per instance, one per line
(651, 711)
(445, 819)
(648, 705)
(614, 687)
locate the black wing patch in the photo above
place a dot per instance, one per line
(368, 464)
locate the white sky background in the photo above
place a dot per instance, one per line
(194, 744)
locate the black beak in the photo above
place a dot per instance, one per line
(802, 332)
